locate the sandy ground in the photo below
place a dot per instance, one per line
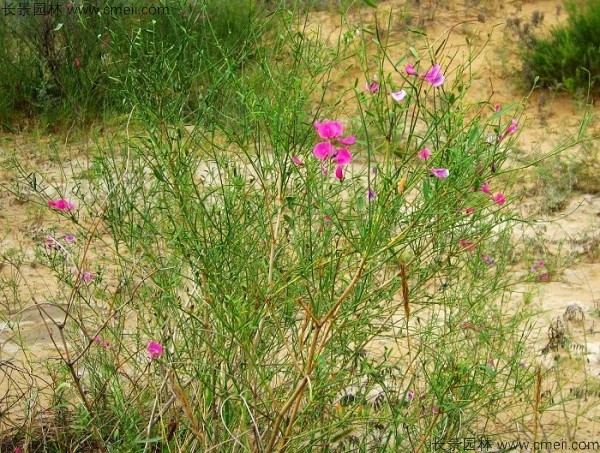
(568, 237)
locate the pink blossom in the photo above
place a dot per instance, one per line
(348, 141)
(342, 157)
(434, 76)
(70, 238)
(512, 127)
(154, 349)
(398, 95)
(323, 150)
(424, 153)
(410, 70)
(410, 395)
(76, 63)
(469, 210)
(544, 277)
(440, 173)
(329, 129)
(88, 276)
(435, 410)
(540, 263)
(297, 161)
(499, 199)
(371, 87)
(61, 205)
(485, 188)
(500, 137)
(97, 340)
(372, 194)
(106, 344)
(497, 108)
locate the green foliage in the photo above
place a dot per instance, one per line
(296, 311)
(64, 67)
(570, 56)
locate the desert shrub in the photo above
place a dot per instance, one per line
(570, 55)
(241, 284)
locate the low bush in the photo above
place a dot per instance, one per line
(570, 56)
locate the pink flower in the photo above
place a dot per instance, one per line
(372, 194)
(499, 199)
(544, 277)
(485, 188)
(343, 157)
(410, 70)
(398, 95)
(410, 395)
(61, 205)
(424, 153)
(76, 63)
(70, 238)
(512, 128)
(329, 129)
(540, 263)
(154, 349)
(470, 210)
(97, 340)
(348, 141)
(323, 150)
(371, 87)
(297, 161)
(497, 108)
(434, 76)
(106, 344)
(435, 410)
(88, 277)
(440, 173)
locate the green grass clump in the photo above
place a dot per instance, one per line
(570, 56)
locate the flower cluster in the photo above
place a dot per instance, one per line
(332, 132)
(539, 270)
(497, 198)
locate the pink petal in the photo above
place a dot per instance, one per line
(154, 349)
(440, 173)
(434, 76)
(410, 70)
(497, 108)
(398, 95)
(329, 129)
(372, 87)
(297, 161)
(512, 128)
(339, 173)
(485, 188)
(348, 141)
(433, 72)
(343, 156)
(470, 210)
(499, 199)
(323, 150)
(424, 153)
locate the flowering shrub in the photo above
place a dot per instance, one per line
(299, 310)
